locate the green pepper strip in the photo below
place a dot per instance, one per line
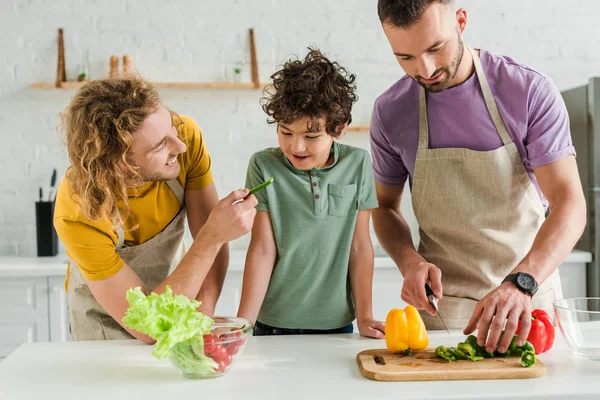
(459, 355)
(528, 358)
(467, 349)
(261, 186)
(442, 352)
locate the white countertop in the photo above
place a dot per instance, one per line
(283, 367)
(57, 265)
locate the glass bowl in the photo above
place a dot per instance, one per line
(579, 322)
(218, 352)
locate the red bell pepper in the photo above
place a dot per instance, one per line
(541, 335)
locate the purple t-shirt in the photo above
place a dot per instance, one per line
(529, 103)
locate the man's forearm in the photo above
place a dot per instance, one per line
(555, 240)
(213, 284)
(393, 234)
(361, 280)
(191, 272)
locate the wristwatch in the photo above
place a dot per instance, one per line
(524, 282)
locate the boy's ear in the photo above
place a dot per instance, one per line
(343, 131)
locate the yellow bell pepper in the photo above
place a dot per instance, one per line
(404, 329)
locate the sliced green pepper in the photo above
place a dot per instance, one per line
(442, 352)
(527, 347)
(507, 353)
(480, 351)
(472, 340)
(467, 349)
(459, 355)
(528, 358)
(512, 347)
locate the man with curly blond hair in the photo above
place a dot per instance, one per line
(309, 268)
(138, 171)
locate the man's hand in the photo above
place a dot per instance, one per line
(413, 289)
(229, 221)
(504, 305)
(371, 328)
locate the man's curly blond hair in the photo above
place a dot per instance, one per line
(98, 127)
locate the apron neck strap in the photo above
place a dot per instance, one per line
(490, 103)
(177, 190)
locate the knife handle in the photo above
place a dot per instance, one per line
(428, 290)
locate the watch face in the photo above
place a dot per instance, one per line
(526, 281)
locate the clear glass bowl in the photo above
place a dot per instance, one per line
(216, 356)
(579, 322)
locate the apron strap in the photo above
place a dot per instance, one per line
(423, 124)
(120, 232)
(487, 97)
(177, 190)
(490, 102)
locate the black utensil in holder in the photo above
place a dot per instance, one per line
(47, 239)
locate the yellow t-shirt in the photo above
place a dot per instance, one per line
(92, 244)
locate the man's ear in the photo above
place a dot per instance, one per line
(342, 129)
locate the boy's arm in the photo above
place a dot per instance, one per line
(260, 261)
(361, 277)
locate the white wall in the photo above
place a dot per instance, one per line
(201, 40)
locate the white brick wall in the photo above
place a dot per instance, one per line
(201, 40)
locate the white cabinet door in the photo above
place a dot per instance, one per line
(230, 295)
(23, 312)
(14, 333)
(58, 310)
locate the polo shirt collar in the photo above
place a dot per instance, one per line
(335, 149)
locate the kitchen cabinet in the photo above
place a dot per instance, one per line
(33, 305)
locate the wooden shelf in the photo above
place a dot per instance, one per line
(114, 72)
(358, 128)
(168, 85)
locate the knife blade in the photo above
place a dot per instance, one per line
(434, 303)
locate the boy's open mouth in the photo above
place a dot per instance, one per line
(300, 158)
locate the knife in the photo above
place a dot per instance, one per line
(433, 302)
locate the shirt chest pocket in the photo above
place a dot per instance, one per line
(341, 200)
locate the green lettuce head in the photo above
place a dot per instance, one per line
(166, 318)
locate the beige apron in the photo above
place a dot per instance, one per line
(152, 261)
(478, 215)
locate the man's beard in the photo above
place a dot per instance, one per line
(157, 177)
(161, 176)
(450, 72)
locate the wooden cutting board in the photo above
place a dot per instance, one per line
(424, 365)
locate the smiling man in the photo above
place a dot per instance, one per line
(138, 171)
(485, 144)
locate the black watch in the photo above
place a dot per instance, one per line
(524, 282)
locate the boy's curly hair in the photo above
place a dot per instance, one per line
(314, 87)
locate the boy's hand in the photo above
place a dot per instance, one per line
(371, 328)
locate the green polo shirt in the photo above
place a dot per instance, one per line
(313, 215)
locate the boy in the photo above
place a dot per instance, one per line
(309, 267)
